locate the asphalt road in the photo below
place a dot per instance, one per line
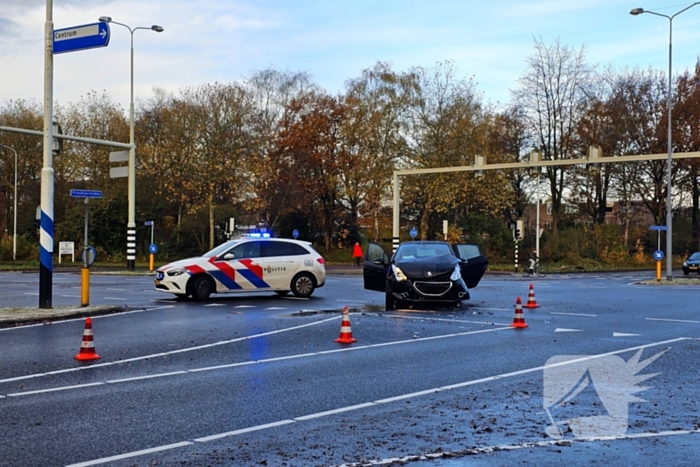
(259, 380)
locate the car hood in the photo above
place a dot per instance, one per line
(183, 263)
(425, 268)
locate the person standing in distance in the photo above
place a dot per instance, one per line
(357, 253)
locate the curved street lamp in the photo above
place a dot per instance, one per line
(131, 223)
(14, 209)
(669, 214)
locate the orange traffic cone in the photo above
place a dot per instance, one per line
(87, 348)
(531, 302)
(345, 331)
(519, 319)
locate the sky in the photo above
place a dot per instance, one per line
(207, 41)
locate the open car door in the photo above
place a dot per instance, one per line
(374, 269)
(474, 266)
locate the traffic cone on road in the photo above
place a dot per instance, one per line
(345, 331)
(519, 318)
(531, 302)
(87, 348)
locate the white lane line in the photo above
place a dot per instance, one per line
(622, 334)
(172, 352)
(257, 362)
(397, 398)
(30, 293)
(56, 323)
(567, 330)
(572, 314)
(244, 306)
(114, 298)
(104, 460)
(244, 430)
(426, 318)
(118, 290)
(672, 320)
(64, 388)
(336, 411)
(215, 304)
(138, 378)
(71, 296)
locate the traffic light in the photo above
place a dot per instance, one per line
(517, 234)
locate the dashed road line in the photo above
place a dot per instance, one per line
(672, 320)
(572, 314)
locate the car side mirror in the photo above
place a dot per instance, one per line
(229, 256)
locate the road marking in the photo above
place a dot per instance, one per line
(114, 298)
(71, 296)
(622, 334)
(672, 320)
(172, 352)
(64, 388)
(448, 320)
(30, 293)
(572, 314)
(131, 454)
(238, 364)
(275, 308)
(244, 306)
(567, 330)
(118, 290)
(215, 304)
(402, 397)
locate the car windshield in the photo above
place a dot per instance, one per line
(410, 251)
(224, 247)
(695, 255)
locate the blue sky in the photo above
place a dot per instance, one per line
(209, 41)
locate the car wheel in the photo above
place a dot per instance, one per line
(303, 285)
(389, 298)
(202, 287)
(685, 273)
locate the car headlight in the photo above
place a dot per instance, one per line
(398, 273)
(685, 264)
(176, 272)
(456, 274)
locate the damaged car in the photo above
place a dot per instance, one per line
(423, 272)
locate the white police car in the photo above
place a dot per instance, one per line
(246, 265)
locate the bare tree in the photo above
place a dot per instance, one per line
(552, 93)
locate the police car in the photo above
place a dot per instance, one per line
(246, 265)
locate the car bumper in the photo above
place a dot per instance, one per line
(433, 292)
(176, 285)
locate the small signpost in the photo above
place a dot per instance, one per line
(658, 254)
(89, 254)
(413, 233)
(86, 36)
(66, 248)
(295, 234)
(152, 248)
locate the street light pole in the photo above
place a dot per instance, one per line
(14, 209)
(131, 221)
(669, 204)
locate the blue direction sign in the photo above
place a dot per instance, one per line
(153, 248)
(295, 233)
(413, 232)
(658, 255)
(658, 227)
(86, 193)
(87, 36)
